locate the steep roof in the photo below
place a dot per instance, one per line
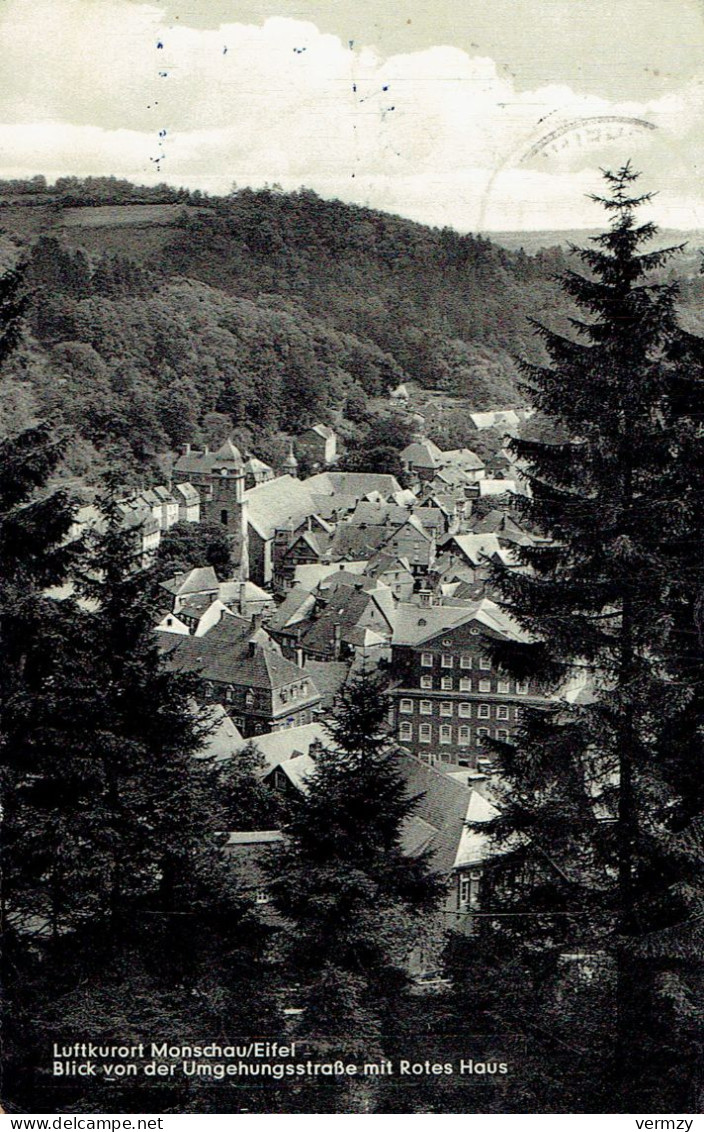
(321, 430)
(202, 579)
(231, 654)
(474, 547)
(357, 484)
(415, 624)
(277, 504)
(223, 737)
(295, 607)
(422, 454)
(278, 746)
(441, 804)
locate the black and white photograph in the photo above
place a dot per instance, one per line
(352, 559)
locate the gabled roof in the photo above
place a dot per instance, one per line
(281, 503)
(355, 542)
(188, 492)
(254, 464)
(463, 458)
(295, 607)
(474, 844)
(230, 653)
(321, 430)
(383, 563)
(473, 547)
(223, 737)
(422, 454)
(278, 746)
(310, 575)
(227, 455)
(202, 579)
(415, 624)
(357, 484)
(298, 770)
(497, 487)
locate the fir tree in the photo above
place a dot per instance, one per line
(601, 827)
(353, 900)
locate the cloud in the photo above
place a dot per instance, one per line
(106, 86)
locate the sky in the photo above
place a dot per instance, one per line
(479, 114)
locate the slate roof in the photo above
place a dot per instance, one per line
(463, 458)
(443, 805)
(357, 542)
(295, 607)
(422, 454)
(278, 746)
(224, 655)
(227, 455)
(383, 563)
(415, 624)
(223, 738)
(474, 547)
(202, 579)
(310, 575)
(188, 492)
(357, 484)
(280, 503)
(329, 676)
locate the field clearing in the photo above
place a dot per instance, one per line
(118, 215)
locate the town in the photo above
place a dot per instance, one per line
(341, 574)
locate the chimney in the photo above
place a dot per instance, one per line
(256, 622)
(300, 658)
(206, 450)
(186, 449)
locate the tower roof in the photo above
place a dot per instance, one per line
(229, 453)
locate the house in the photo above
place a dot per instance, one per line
(319, 444)
(414, 542)
(444, 824)
(197, 614)
(421, 459)
(143, 530)
(393, 571)
(201, 580)
(283, 504)
(358, 485)
(256, 472)
(507, 419)
(450, 697)
(218, 478)
(310, 576)
(308, 547)
(188, 501)
(470, 551)
(246, 599)
(242, 668)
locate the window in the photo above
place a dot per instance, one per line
(405, 730)
(502, 711)
(502, 734)
(426, 659)
(503, 686)
(445, 733)
(262, 896)
(463, 736)
(482, 733)
(466, 711)
(468, 891)
(446, 708)
(406, 706)
(223, 518)
(517, 714)
(426, 681)
(485, 663)
(522, 687)
(426, 707)
(485, 685)
(446, 683)
(446, 660)
(465, 661)
(484, 711)
(465, 684)
(424, 732)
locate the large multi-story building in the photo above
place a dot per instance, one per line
(448, 696)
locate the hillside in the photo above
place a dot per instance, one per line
(152, 310)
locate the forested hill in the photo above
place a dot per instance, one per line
(153, 309)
